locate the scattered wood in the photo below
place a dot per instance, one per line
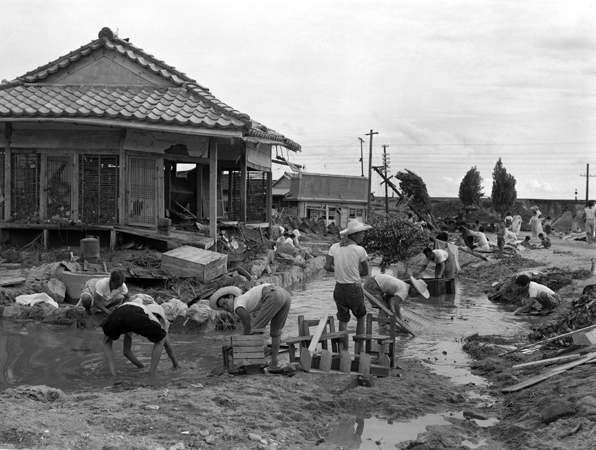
(470, 252)
(12, 281)
(570, 432)
(546, 362)
(544, 341)
(551, 373)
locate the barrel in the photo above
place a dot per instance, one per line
(90, 249)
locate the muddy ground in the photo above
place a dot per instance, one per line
(221, 411)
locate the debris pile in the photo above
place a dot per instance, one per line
(582, 314)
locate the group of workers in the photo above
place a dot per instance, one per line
(347, 259)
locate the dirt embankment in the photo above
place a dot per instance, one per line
(182, 410)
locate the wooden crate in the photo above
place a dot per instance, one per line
(440, 286)
(195, 262)
(244, 352)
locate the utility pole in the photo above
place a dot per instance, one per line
(370, 172)
(587, 175)
(386, 166)
(361, 155)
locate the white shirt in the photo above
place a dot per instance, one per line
(589, 213)
(102, 288)
(534, 289)
(392, 286)
(251, 299)
(154, 311)
(346, 261)
(440, 256)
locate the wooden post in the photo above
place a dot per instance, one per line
(200, 193)
(269, 201)
(113, 240)
(122, 182)
(160, 172)
(46, 238)
(230, 175)
(75, 187)
(43, 190)
(368, 192)
(169, 173)
(7, 171)
(243, 199)
(213, 188)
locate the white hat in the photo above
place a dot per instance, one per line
(420, 287)
(354, 226)
(228, 290)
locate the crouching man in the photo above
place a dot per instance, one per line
(147, 320)
(272, 304)
(104, 294)
(538, 293)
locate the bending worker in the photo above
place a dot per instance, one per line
(392, 292)
(444, 265)
(272, 304)
(104, 294)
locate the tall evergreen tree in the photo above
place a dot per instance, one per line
(470, 188)
(413, 186)
(503, 192)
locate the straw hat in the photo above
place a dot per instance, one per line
(354, 226)
(228, 290)
(420, 287)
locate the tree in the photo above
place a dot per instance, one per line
(413, 186)
(394, 240)
(503, 193)
(470, 188)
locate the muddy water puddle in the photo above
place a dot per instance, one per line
(365, 432)
(72, 359)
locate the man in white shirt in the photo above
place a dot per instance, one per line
(391, 292)
(444, 266)
(537, 293)
(348, 260)
(272, 304)
(104, 294)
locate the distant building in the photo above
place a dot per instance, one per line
(335, 198)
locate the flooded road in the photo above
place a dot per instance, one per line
(72, 359)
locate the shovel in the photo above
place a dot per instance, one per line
(306, 353)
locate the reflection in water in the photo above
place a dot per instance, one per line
(362, 432)
(70, 358)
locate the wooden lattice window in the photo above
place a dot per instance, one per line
(98, 189)
(59, 187)
(256, 196)
(25, 186)
(142, 207)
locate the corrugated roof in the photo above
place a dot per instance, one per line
(188, 104)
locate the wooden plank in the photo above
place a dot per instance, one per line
(318, 332)
(43, 187)
(248, 349)
(12, 281)
(75, 188)
(160, 201)
(248, 339)
(384, 360)
(199, 199)
(324, 337)
(122, 175)
(325, 364)
(305, 359)
(345, 361)
(364, 363)
(213, 187)
(248, 355)
(243, 199)
(544, 341)
(545, 376)
(547, 362)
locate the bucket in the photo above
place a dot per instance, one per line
(90, 249)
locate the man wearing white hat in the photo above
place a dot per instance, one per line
(348, 260)
(392, 292)
(272, 304)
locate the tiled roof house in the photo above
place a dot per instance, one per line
(94, 138)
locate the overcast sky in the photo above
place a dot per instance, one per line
(447, 84)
